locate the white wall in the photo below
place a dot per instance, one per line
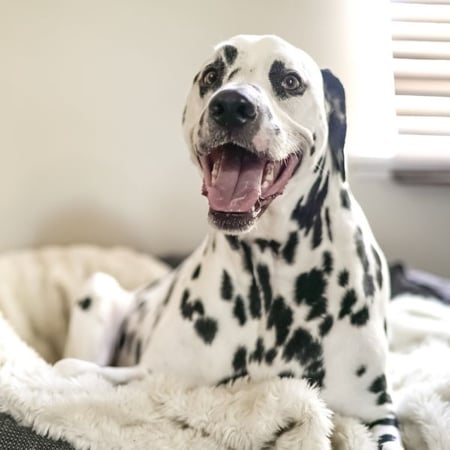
(91, 94)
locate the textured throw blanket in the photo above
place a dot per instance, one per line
(36, 289)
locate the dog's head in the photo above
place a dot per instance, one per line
(259, 115)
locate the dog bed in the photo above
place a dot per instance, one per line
(39, 409)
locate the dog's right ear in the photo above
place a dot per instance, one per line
(337, 119)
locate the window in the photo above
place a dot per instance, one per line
(421, 45)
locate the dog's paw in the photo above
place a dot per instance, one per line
(71, 367)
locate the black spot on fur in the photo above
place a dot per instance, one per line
(310, 287)
(286, 374)
(206, 328)
(320, 165)
(385, 438)
(230, 52)
(302, 347)
(379, 272)
(185, 297)
(232, 379)
(361, 371)
(343, 278)
(378, 385)
(239, 310)
(280, 317)
(248, 262)
(258, 353)
(196, 78)
(312, 150)
(289, 249)
(196, 272)
(271, 355)
(240, 360)
(219, 66)
(307, 213)
(388, 421)
(255, 300)
(277, 73)
(315, 373)
(317, 233)
(337, 123)
(169, 291)
(326, 325)
(327, 264)
(233, 241)
(368, 284)
(233, 73)
(347, 303)
(188, 308)
(384, 398)
(142, 303)
(345, 199)
(85, 303)
(183, 117)
(360, 317)
(319, 308)
(264, 281)
(227, 286)
(263, 244)
(328, 223)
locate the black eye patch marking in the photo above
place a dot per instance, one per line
(230, 54)
(219, 66)
(277, 73)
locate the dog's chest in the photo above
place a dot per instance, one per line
(235, 307)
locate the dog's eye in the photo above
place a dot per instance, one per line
(209, 77)
(291, 82)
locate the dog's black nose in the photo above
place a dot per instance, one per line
(230, 109)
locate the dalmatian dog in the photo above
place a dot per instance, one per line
(289, 281)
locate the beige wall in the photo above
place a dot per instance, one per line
(91, 94)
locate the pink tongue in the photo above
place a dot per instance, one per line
(237, 186)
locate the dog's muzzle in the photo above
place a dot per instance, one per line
(239, 180)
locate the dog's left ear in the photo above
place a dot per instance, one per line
(337, 120)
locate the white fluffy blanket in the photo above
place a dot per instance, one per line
(159, 413)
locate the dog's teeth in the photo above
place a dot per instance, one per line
(268, 175)
(215, 171)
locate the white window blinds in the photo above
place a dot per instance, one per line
(421, 45)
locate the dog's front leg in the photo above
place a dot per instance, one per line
(95, 320)
(385, 432)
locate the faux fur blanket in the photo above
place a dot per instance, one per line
(160, 413)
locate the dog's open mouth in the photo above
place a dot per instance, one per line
(239, 184)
